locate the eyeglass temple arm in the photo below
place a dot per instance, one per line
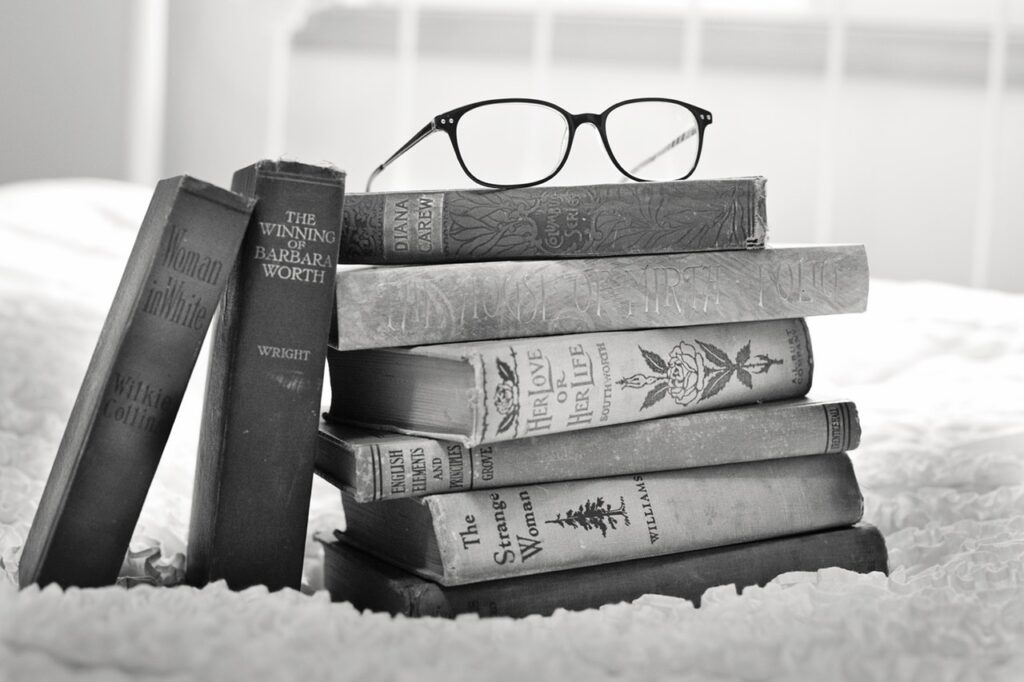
(416, 139)
(685, 135)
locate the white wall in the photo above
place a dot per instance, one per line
(64, 88)
(218, 85)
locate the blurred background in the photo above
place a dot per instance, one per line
(895, 124)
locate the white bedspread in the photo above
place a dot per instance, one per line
(937, 372)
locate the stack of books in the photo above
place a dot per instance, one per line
(542, 398)
(582, 395)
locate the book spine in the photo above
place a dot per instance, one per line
(389, 466)
(416, 305)
(134, 384)
(257, 437)
(537, 386)
(554, 222)
(486, 535)
(370, 583)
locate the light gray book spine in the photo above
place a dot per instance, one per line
(413, 305)
(541, 385)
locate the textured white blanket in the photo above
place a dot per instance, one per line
(937, 372)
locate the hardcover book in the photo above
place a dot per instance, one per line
(554, 222)
(413, 305)
(376, 465)
(368, 583)
(134, 384)
(258, 435)
(473, 536)
(501, 390)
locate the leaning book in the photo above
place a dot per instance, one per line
(134, 384)
(355, 576)
(468, 537)
(254, 467)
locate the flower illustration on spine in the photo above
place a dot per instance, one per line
(506, 396)
(695, 372)
(591, 515)
(686, 372)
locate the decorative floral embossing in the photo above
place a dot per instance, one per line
(492, 225)
(361, 231)
(642, 219)
(506, 396)
(691, 375)
(591, 515)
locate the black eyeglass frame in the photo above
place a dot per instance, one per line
(448, 122)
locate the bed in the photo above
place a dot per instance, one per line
(938, 375)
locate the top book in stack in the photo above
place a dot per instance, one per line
(403, 228)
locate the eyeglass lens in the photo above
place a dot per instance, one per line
(653, 140)
(511, 143)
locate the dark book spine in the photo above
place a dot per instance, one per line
(258, 434)
(378, 465)
(133, 386)
(554, 222)
(369, 583)
(413, 305)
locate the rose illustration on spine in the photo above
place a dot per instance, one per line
(506, 395)
(694, 373)
(505, 398)
(686, 373)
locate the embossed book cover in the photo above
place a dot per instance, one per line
(554, 222)
(412, 305)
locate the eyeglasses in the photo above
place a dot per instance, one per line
(515, 142)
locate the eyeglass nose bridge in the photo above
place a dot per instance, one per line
(579, 119)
